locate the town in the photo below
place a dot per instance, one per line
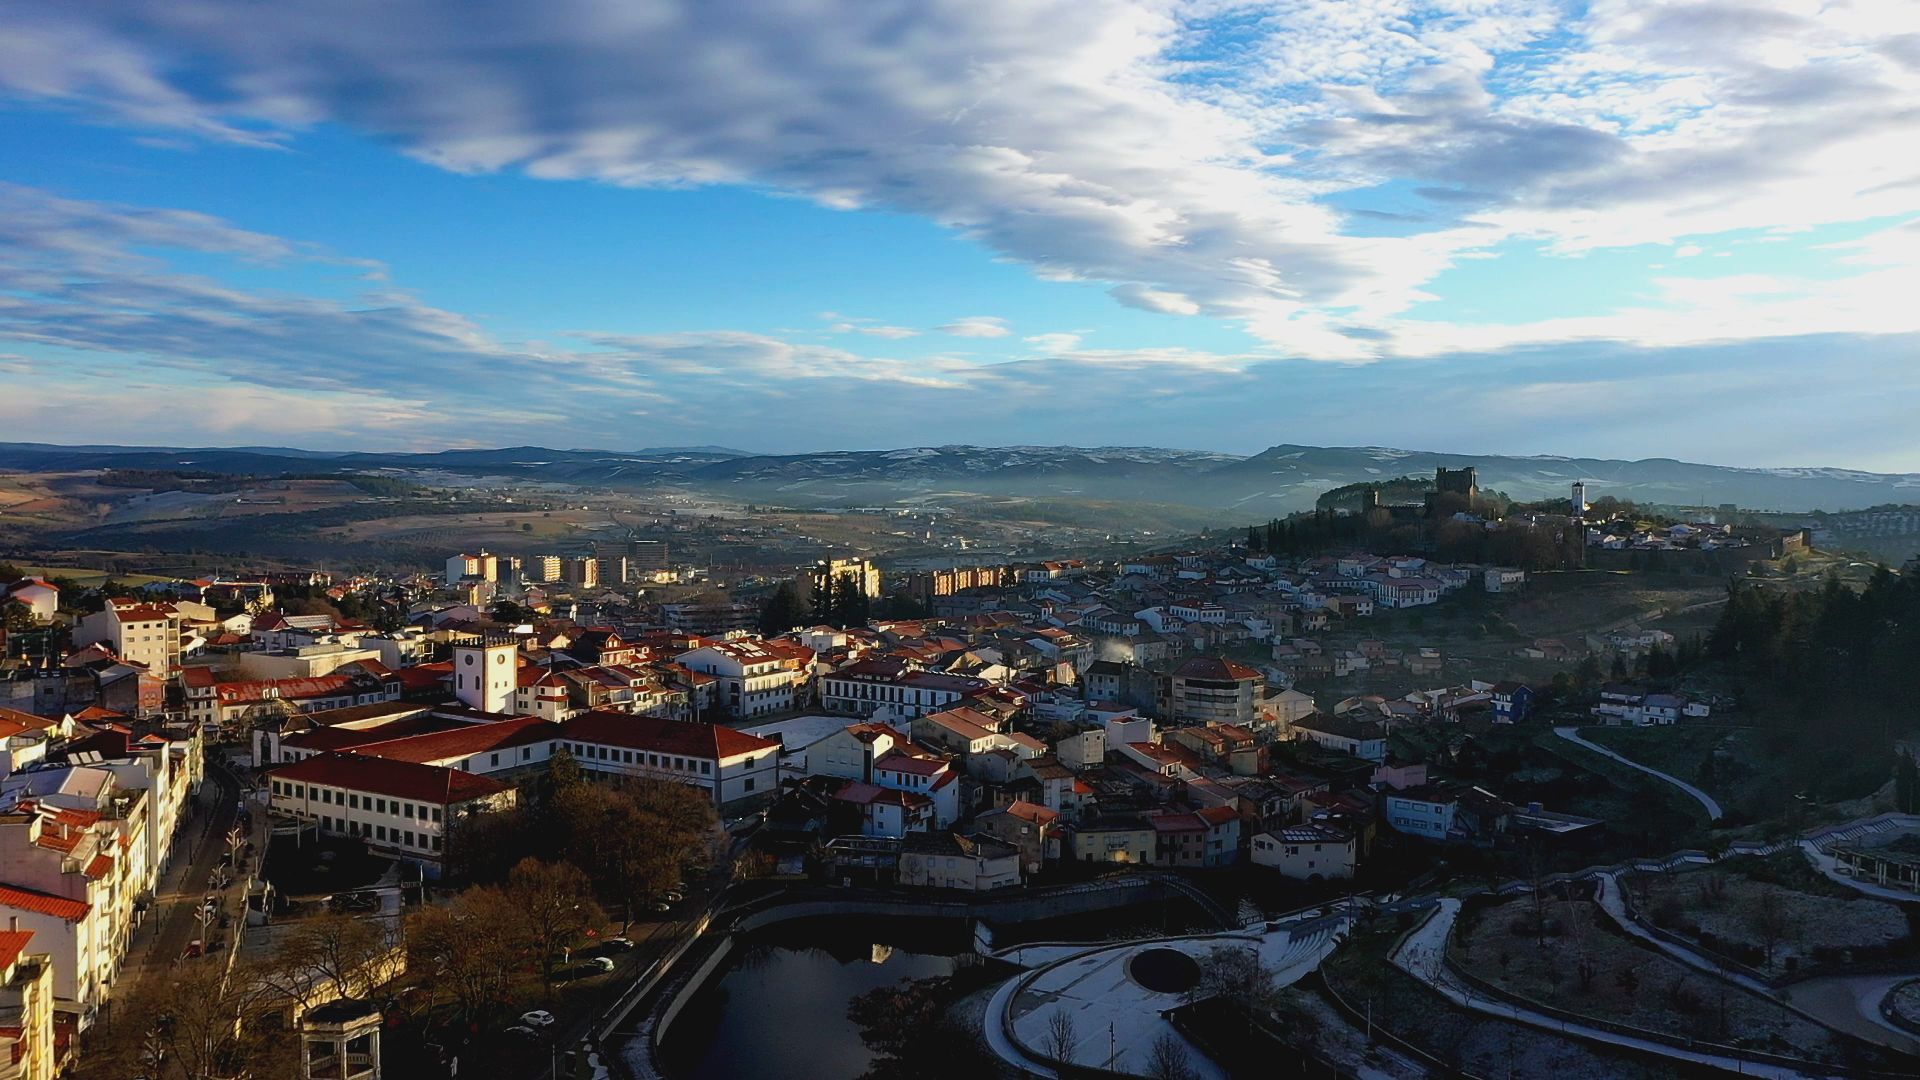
(509, 815)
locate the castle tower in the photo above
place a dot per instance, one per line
(1579, 509)
(485, 673)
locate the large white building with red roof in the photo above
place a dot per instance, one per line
(730, 765)
(398, 808)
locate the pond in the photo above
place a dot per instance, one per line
(779, 1006)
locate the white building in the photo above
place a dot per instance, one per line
(486, 675)
(482, 567)
(398, 808)
(40, 598)
(137, 632)
(730, 765)
(1309, 852)
(943, 860)
(754, 677)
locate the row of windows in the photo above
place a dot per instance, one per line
(591, 752)
(355, 801)
(402, 837)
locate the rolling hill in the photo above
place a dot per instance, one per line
(1278, 480)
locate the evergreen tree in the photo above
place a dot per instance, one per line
(1906, 782)
(783, 611)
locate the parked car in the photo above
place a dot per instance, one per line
(600, 964)
(521, 1031)
(673, 896)
(538, 1018)
(620, 943)
(194, 948)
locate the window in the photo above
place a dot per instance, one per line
(706, 768)
(495, 762)
(407, 809)
(749, 784)
(353, 800)
(379, 832)
(526, 753)
(409, 838)
(436, 813)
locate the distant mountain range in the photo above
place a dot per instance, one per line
(1275, 481)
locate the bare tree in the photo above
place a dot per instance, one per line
(332, 955)
(1061, 1036)
(463, 949)
(1772, 920)
(1169, 1059)
(553, 905)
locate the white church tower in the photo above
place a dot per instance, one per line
(485, 673)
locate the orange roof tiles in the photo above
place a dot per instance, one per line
(59, 907)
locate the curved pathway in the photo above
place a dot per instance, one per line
(1422, 954)
(1572, 735)
(1851, 1003)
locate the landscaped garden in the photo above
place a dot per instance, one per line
(1773, 914)
(1567, 954)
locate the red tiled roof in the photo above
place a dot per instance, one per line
(399, 779)
(463, 740)
(12, 944)
(59, 907)
(100, 867)
(896, 761)
(682, 737)
(25, 719)
(1033, 812)
(1215, 667)
(324, 739)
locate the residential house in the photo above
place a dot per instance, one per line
(944, 860)
(1307, 852)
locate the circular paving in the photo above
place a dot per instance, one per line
(1164, 971)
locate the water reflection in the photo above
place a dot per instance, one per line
(780, 1008)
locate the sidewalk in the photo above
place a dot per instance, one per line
(1422, 955)
(1572, 735)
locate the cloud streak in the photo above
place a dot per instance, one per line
(1179, 151)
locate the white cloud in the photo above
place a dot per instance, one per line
(1053, 343)
(977, 326)
(1175, 150)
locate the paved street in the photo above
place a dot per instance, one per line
(170, 923)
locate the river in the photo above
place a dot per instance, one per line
(779, 1008)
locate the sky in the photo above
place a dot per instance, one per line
(1645, 228)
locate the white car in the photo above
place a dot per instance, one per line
(538, 1018)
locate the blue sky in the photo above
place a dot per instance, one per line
(1624, 229)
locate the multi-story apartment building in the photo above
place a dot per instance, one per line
(1209, 689)
(755, 678)
(138, 632)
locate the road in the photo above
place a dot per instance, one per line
(1572, 735)
(652, 939)
(1852, 1004)
(170, 924)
